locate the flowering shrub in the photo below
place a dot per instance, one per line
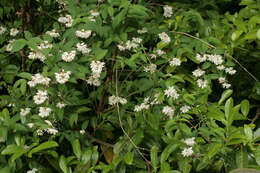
(122, 86)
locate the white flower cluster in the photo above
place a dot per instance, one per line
(39, 132)
(93, 15)
(224, 82)
(164, 37)
(150, 68)
(230, 70)
(51, 130)
(82, 47)
(38, 54)
(53, 33)
(130, 44)
(14, 32)
(142, 31)
(112, 100)
(30, 125)
(82, 131)
(40, 97)
(9, 46)
(44, 112)
(96, 69)
(25, 111)
(2, 30)
(185, 109)
(34, 170)
(198, 72)
(171, 92)
(215, 59)
(83, 33)
(202, 83)
(175, 62)
(68, 56)
(38, 79)
(60, 105)
(67, 20)
(62, 77)
(142, 106)
(167, 11)
(186, 152)
(168, 111)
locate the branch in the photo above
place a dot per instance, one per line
(99, 141)
(256, 116)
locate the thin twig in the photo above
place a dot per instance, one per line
(256, 116)
(121, 124)
(214, 47)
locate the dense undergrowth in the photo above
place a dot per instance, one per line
(129, 86)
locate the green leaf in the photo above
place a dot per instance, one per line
(10, 149)
(236, 35)
(76, 148)
(167, 151)
(228, 108)
(25, 75)
(18, 44)
(242, 158)
(63, 164)
(257, 156)
(18, 154)
(86, 156)
(214, 149)
(43, 146)
(94, 156)
(248, 132)
(128, 158)
(154, 157)
(117, 20)
(258, 34)
(100, 53)
(245, 107)
(224, 96)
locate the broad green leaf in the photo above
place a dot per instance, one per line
(236, 35)
(10, 149)
(224, 96)
(25, 75)
(43, 146)
(86, 156)
(228, 108)
(63, 164)
(167, 151)
(242, 157)
(257, 156)
(245, 107)
(128, 158)
(214, 149)
(76, 148)
(154, 157)
(258, 34)
(119, 18)
(100, 53)
(95, 156)
(248, 132)
(18, 44)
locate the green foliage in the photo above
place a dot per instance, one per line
(129, 86)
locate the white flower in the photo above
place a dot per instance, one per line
(94, 13)
(187, 152)
(226, 85)
(220, 67)
(137, 40)
(67, 20)
(112, 100)
(44, 45)
(53, 33)
(230, 70)
(198, 72)
(82, 47)
(93, 81)
(82, 131)
(159, 52)
(48, 122)
(34, 170)
(60, 105)
(44, 112)
(2, 30)
(168, 111)
(167, 11)
(164, 37)
(96, 67)
(25, 111)
(171, 92)
(130, 45)
(141, 107)
(120, 47)
(202, 83)
(14, 32)
(30, 125)
(185, 109)
(222, 80)
(83, 33)
(38, 79)
(152, 56)
(37, 55)
(216, 59)
(68, 56)
(150, 68)
(142, 31)
(51, 131)
(62, 77)
(201, 58)
(39, 132)
(9, 47)
(190, 141)
(40, 97)
(175, 62)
